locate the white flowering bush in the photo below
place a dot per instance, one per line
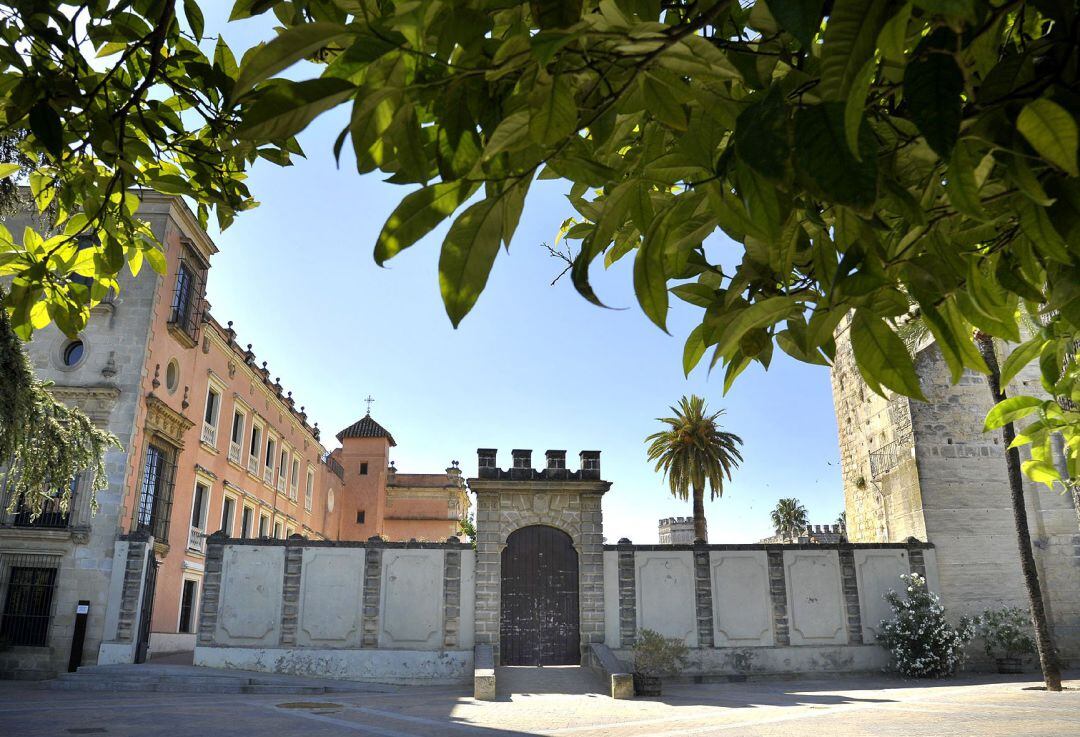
(922, 642)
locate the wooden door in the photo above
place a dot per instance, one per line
(539, 622)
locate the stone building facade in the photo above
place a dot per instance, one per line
(211, 441)
(676, 531)
(928, 471)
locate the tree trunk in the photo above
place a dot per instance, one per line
(701, 532)
(1044, 641)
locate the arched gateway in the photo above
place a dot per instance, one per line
(539, 558)
(539, 607)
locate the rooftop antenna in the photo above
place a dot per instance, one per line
(369, 400)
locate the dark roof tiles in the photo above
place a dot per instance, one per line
(366, 427)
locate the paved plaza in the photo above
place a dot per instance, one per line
(536, 702)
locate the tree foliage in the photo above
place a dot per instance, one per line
(864, 154)
(789, 518)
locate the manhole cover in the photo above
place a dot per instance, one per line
(309, 705)
(87, 730)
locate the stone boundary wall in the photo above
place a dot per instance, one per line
(393, 612)
(759, 608)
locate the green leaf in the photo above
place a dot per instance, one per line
(856, 104)
(1020, 357)
(822, 156)
(801, 18)
(468, 253)
(763, 313)
(418, 214)
(289, 47)
(47, 129)
(511, 133)
(933, 84)
(693, 350)
(699, 295)
(663, 101)
(1042, 472)
(194, 16)
(554, 115)
(761, 134)
(286, 109)
(1051, 131)
(1010, 410)
(6, 170)
(961, 186)
(892, 39)
(882, 357)
(958, 8)
(1036, 225)
(650, 279)
(849, 40)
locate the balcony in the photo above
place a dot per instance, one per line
(209, 434)
(268, 476)
(196, 542)
(253, 465)
(281, 484)
(887, 457)
(234, 453)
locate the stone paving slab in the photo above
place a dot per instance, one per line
(985, 706)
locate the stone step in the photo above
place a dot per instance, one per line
(269, 688)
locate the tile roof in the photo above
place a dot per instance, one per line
(366, 427)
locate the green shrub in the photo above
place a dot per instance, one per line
(1006, 632)
(921, 641)
(656, 655)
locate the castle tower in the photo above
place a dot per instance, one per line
(677, 531)
(927, 470)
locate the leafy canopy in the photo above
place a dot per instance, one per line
(865, 154)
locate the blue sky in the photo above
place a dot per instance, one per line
(533, 365)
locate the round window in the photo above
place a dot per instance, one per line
(172, 376)
(73, 353)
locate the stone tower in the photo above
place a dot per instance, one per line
(928, 471)
(677, 531)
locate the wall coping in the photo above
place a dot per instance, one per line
(915, 545)
(300, 542)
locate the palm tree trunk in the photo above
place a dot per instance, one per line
(700, 530)
(1044, 642)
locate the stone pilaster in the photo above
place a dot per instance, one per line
(591, 573)
(372, 592)
(778, 595)
(627, 594)
(211, 593)
(703, 596)
(139, 546)
(451, 597)
(290, 590)
(851, 597)
(488, 554)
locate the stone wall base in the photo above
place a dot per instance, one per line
(114, 653)
(764, 661)
(408, 667)
(171, 642)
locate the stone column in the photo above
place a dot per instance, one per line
(487, 569)
(851, 596)
(591, 572)
(290, 589)
(778, 595)
(211, 593)
(627, 594)
(451, 595)
(372, 592)
(703, 595)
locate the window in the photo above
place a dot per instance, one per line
(254, 449)
(188, 596)
(237, 426)
(187, 298)
(289, 532)
(198, 505)
(51, 517)
(73, 353)
(155, 498)
(294, 481)
(283, 470)
(277, 530)
(309, 490)
(172, 376)
(360, 517)
(28, 601)
(271, 452)
(245, 521)
(264, 525)
(228, 509)
(210, 416)
(363, 468)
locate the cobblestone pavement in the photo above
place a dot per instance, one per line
(535, 702)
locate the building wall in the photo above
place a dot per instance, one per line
(945, 481)
(365, 491)
(676, 531)
(105, 384)
(746, 609)
(391, 612)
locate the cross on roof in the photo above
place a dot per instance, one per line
(369, 400)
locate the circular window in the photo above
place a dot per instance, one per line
(73, 353)
(172, 376)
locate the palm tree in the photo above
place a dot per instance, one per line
(789, 518)
(693, 451)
